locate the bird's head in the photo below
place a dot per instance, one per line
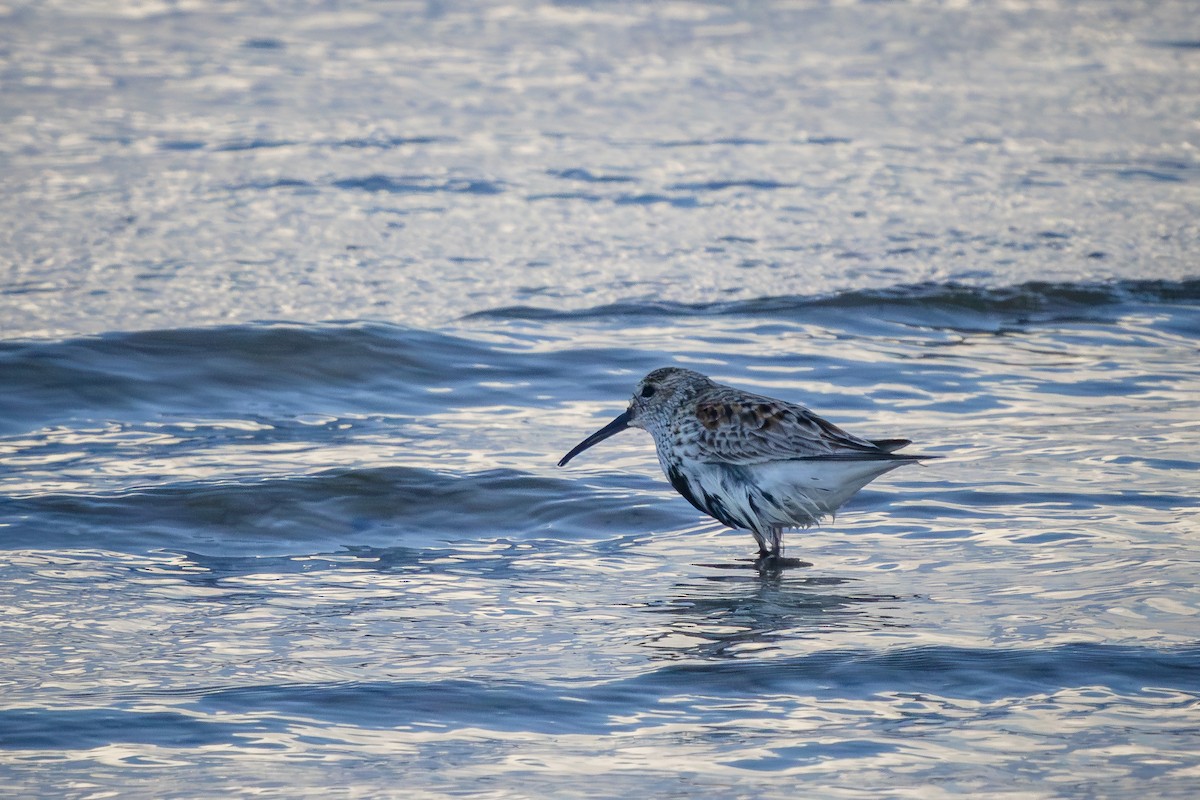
(654, 401)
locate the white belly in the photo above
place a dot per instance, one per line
(785, 494)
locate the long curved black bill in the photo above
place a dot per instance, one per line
(611, 429)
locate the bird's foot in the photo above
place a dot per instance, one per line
(775, 562)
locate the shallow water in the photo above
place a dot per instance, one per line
(300, 310)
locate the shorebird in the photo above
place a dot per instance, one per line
(749, 461)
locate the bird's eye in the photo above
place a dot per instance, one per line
(648, 390)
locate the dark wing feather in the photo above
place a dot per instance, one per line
(735, 427)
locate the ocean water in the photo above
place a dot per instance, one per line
(301, 304)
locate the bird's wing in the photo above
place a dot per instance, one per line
(735, 427)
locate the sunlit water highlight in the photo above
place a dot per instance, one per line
(297, 325)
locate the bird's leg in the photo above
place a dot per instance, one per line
(770, 544)
(770, 553)
(763, 550)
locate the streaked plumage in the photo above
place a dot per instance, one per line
(749, 461)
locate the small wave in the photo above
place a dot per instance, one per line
(982, 674)
(728, 141)
(453, 703)
(576, 174)
(264, 43)
(419, 184)
(985, 675)
(253, 144)
(717, 186)
(1034, 300)
(1176, 44)
(390, 142)
(278, 183)
(200, 369)
(653, 198)
(361, 507)
(89, 728)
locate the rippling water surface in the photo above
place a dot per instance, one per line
(300, 307)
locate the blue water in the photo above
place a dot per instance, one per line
(301, 305)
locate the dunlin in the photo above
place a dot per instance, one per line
(749, 461)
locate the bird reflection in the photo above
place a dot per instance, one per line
(724, 615)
